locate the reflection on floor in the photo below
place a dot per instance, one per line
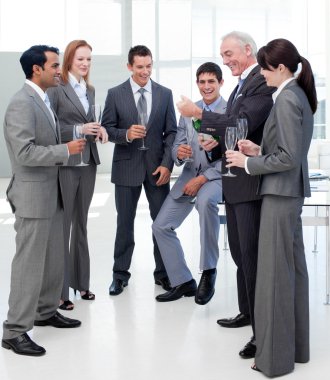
(131, 336)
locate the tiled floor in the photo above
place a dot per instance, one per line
(134, 337)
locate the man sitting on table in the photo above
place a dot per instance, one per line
(200, 181)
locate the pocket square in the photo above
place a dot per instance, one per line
(239, 96)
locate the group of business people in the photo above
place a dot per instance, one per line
(277, 307)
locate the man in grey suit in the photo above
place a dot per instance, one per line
(35, 151)
(133, 167)
(200, 179)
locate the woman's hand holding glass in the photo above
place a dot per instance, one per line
(246, 148)
(101, 135)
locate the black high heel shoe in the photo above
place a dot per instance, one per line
(88, 296)
(66, 305)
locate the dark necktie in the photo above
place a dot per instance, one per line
(142, 105)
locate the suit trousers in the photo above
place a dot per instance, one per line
(172, 215)
(243, 220)
(77, 184)
(36, 274)
(127, 198)
(281, 305)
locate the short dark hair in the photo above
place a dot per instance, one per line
(139, 50)
(35, 56)
(210, 68)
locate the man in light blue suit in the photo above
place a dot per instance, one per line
(199, 180)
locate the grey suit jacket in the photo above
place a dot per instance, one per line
(131, 165)
(35, 152)
(287, 135)
(200, 165)
(70, 111)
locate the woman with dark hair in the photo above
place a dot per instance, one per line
(72, 101)
(281, 300)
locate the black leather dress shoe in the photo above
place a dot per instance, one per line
(164, 283)
(205, 288)
(187, 289)
(117, 286)
(239, 321)
(249, 350)
(58, 320)
(23, 345)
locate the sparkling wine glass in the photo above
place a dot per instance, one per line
(230, 141)
(142, 120)
(190, 131)
(97, 112)
(77, 135)
(242, 128)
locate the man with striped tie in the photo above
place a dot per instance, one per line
(142, 157)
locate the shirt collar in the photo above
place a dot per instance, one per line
(136, 87)
(73, 81)
(247, 71)
(280, 88)
(37, 89)
(213, 105)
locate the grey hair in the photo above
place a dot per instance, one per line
(244, 39)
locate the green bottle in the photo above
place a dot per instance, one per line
(197, 125)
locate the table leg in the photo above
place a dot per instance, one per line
(327, 253)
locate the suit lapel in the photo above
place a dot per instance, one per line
(89, 116)
(129, 100)
(42, 106)
(73, 99)
(155, 103)
(232, 99)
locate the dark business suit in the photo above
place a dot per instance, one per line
(77, 185)
(35, 152)
(253, 101)
(281, 306)
(132, 168)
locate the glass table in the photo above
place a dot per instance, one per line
(321, 198)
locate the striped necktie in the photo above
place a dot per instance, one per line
(142, 105)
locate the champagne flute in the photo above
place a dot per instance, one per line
(97, 112)
(142, 120)
(230, 141)
(190, 131)
(97, 116)
(242, 128)
(77, 135)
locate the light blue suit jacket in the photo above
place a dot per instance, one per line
(201, 165)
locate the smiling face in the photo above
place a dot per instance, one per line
(81, 62)
(48, 75)
(209, 87)
(237, 57)
(141, 69)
